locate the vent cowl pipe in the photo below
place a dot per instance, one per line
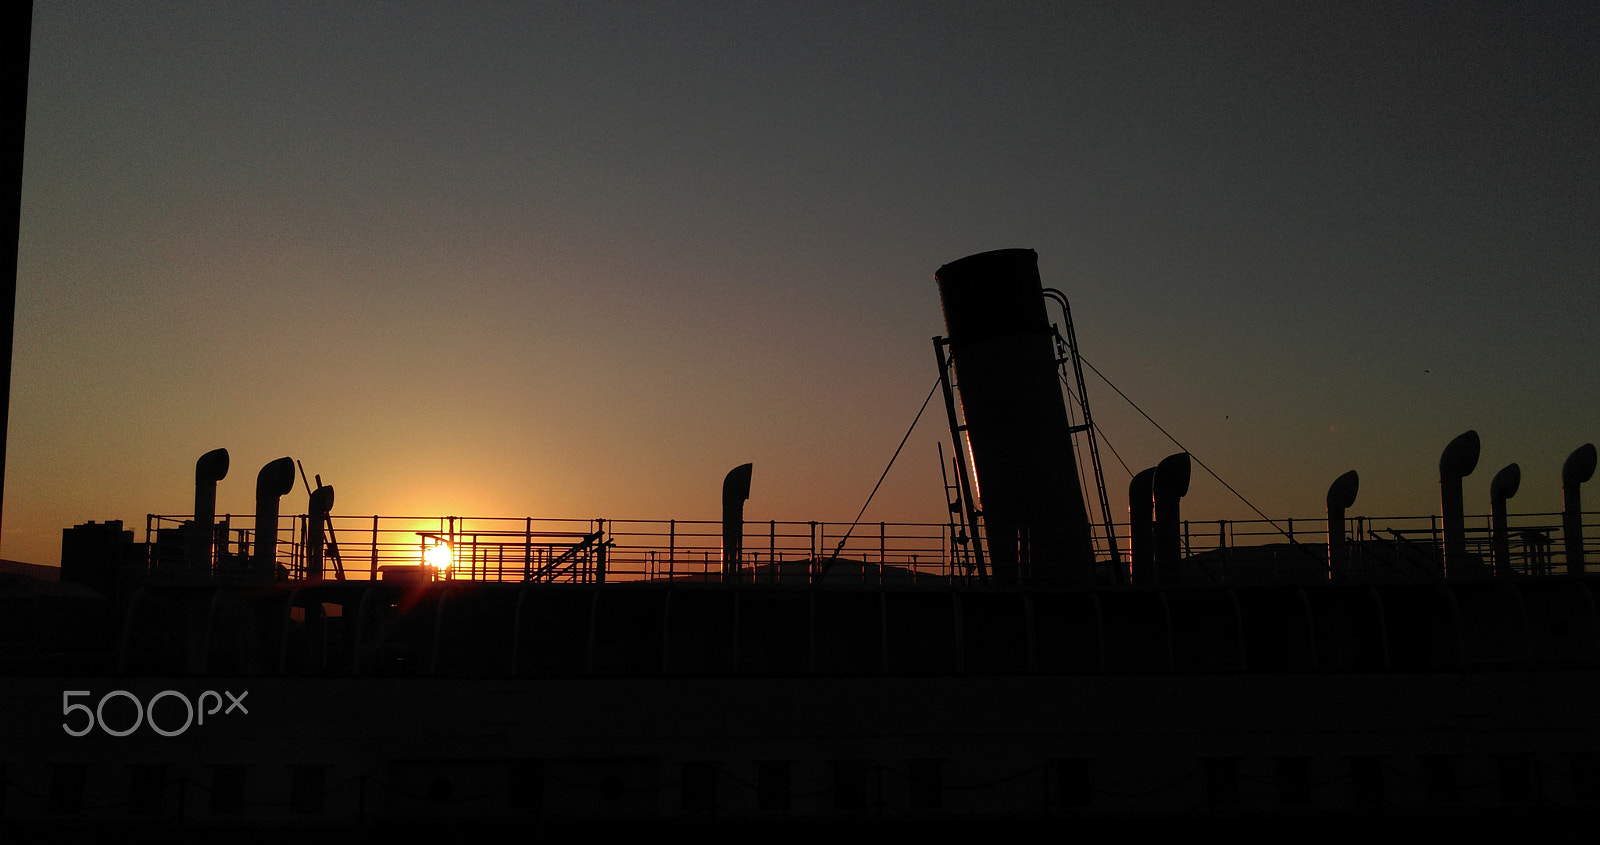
(1341, 495)
(1457, 461)
(735, 490)
(274, 481)
(1503, 487)
(211, 468)
(1171, 483)
(1141, 526)
(1578, 468)
(320, 506)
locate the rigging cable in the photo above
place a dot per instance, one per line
(842, 540)
(1098, 430)
(1269, 520)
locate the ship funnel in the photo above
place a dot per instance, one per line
(1458, 461)
(1579, 467)
(1170, 484)
(735, 490)
(211, 468)
(1005, 365)
(1503, 487)
(1341, 495)
(274, 481)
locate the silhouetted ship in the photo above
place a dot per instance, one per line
(1013, 665)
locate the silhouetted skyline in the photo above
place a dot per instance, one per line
(583, 260)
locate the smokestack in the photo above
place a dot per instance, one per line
(274, 481)
(211, 468)
(1004, 357)
(1458, 461)
(1171, 483)
(1141, 526)
(1579, 467)
(1341, 495)
(1503, 487)
(735, 489)
(317, 516)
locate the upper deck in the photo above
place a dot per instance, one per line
(637, 598)
(525, 549)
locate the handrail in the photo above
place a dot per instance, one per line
(527, 548)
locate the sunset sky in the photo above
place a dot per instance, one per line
(581, 260)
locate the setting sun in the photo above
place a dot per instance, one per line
(438, 556)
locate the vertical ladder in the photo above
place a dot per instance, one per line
(960, 552)
(958, 431)
(1067, 349)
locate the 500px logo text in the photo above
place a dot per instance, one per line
(194, 713)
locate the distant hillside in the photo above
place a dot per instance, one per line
(32, 570)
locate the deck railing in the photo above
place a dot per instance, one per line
(596, 550)
(569, 550)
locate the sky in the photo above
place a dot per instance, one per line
(580, 260)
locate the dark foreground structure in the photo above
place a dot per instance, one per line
(219, 682)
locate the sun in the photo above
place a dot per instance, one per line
(438, 556)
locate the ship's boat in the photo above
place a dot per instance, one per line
(1022, 665)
